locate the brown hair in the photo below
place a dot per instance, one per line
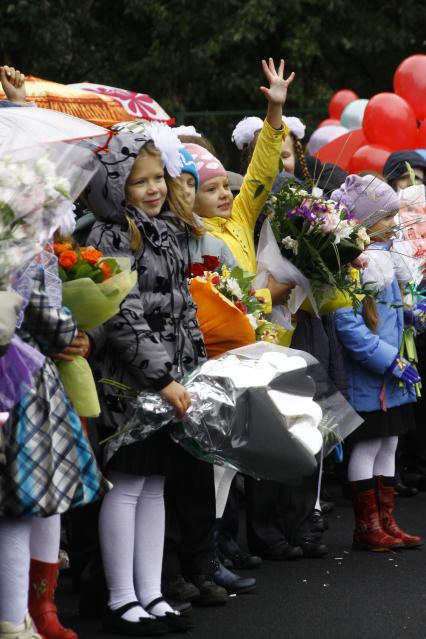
(200, 140)
(178, 206)
(370, 313)
(300, 157)
(247, 153)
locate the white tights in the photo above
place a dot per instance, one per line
(131, 531)
(20, 539)
(373, 457)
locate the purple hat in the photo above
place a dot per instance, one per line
(368, 198)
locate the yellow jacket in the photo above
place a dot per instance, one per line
(237, 231)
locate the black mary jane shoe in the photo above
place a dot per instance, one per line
(113, 623)
(174, 621)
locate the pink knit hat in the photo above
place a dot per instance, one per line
(208, 166)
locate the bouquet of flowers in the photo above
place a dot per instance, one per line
(93, 287)
(256, 410)
(312, 242)
(229, 312)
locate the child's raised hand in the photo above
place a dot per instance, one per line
(13, 83)
(278, 86)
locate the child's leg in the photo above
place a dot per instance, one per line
(45, 538)
(14, 568)
(149, 544)
(44, 569)
(117, 538)
(363, 457)
(384, 464)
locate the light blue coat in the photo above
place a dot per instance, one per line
(368, 355)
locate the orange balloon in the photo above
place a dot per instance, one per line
(224, 327)
(339, 101)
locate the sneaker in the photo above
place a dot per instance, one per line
(23, 630)
(210, 593)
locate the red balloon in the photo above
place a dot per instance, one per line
(339, 101)
(329, 122)
(409, 82)
(370, 157)
(421, 140)
(390, 121)
(341, 150)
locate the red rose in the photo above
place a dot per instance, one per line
(252, 291)
(196, 270)
(211, 262)
(261, 300)
(215, 280)
(241, 307)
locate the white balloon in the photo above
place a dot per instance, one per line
(322, 136)
(353, 114)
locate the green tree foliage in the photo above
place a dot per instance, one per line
(192, 55)
(205, 55)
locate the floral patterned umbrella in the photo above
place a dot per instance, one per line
(96, 108)
(139, 105)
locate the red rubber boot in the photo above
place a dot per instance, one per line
(369, 534)
(386, 500)
(41, 604)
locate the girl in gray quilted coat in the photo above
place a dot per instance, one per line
(149, 344)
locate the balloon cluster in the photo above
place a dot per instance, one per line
(360, 134)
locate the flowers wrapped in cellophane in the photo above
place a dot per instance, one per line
(93, 287)
(314, 243)
(37, 187)
(229, 312)
(263, 410)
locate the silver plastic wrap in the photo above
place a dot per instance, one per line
(266, 422)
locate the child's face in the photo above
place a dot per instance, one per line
(214, 198)
(287, 155)
(187, 183)
(384, 229)
(146, 187)
(404, 181)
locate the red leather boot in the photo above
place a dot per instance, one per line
(41, 604)
(369, 534)
(385, 498)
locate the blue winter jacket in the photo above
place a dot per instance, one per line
(368, 355)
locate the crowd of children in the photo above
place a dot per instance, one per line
(162, 200)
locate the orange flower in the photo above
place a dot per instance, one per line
(67, 259)
(60, 247)
(106, 270)
(90, 255)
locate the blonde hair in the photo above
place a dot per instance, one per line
(370, 313)
(178, 206)
(136, 242)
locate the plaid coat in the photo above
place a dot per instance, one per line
(47, 465)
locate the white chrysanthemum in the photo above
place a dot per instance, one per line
(233, 287)
(168, 143)
(245, 130)
(291, 244)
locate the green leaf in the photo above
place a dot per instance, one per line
(62, 274)
(258, 192)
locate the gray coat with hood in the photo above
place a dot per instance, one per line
(155, 338)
